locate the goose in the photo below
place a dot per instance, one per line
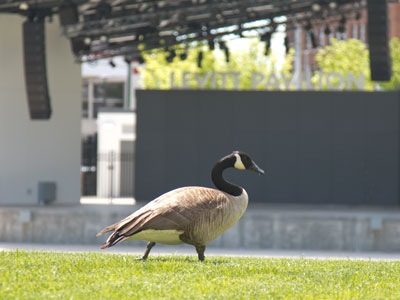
(193, 215)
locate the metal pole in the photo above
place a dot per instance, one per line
(297, 58)
(111, 169)
(90, 99)
(128, 87)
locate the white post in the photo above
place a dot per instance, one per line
(297, 57)
(90, 99)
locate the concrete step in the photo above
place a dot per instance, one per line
(262, 227)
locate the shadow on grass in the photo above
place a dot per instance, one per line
(212, 260)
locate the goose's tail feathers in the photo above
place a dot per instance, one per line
(107, 229)
(113, 239)
(125, 228)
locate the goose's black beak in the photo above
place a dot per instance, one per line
(256, 169)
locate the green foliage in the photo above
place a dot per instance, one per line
(394, 82)
(352, 56)
(157, 72)
(40, 275)
(344, 57)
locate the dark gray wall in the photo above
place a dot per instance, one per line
(316, 147)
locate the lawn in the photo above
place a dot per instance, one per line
(41, 275)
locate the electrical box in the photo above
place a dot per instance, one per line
(46, 192)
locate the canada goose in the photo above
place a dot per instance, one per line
(192, 215)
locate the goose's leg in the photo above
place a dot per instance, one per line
(148, 248)
(200, 252)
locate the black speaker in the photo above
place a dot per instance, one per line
(35, 70)
(78, 45)
(378, 40)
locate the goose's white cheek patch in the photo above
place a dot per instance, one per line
(239, 164)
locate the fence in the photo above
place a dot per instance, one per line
(336, 148)
(108, 175)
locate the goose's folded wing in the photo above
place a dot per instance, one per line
(175, 212)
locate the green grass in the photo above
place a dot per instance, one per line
(41, 275)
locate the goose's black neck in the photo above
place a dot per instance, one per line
(220, 182)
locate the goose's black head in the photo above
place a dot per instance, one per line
(238, 160)
(243, 161)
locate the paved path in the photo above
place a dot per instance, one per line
(188, 250)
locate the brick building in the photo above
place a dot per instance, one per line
(310, 36)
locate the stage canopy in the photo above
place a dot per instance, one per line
(100, 29)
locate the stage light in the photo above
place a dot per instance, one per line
(78, 44)
(128, 59)
(68, 12)
(171, 56)
(184, 55)
(342, 25)
(332, 5)
(24, 6)
(311, 35)
(211, 44)
(223, 47)
(227, 54)
(103, 10)
(199, 59)
(87, 40)
(286, 42)
(267, 47)
(327, 30)
(266, 37)
(316, 7)
(314, 43)
(140, 59)
(308, 26)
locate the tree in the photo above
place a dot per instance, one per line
(352, 56)
(214, 69)
(394, 82)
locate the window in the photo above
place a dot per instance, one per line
(99, 94)
(321, 37)
(362, 32)
(308, 40)
(306, 64)
(108, 94)
(114, 93)
(354, 30)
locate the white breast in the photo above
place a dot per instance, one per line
(168, 237)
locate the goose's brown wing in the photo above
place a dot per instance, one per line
(174, 210)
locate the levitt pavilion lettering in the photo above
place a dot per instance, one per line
(219, 80)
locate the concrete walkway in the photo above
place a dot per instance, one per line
(188, 250)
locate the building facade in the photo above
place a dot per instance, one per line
(38, 153)
(309, 37)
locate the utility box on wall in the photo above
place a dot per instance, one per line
(47, 192)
